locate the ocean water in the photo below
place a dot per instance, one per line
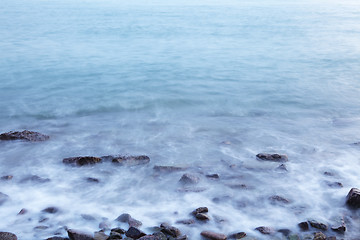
(204, 85)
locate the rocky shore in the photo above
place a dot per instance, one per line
(201, 216)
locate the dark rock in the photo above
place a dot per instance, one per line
(34, 179)
(92, 180)
(318, 225)
(353, 198)
(43, 219)
(200, 210)
(22, 211)
(79, 235)
(213, 176)
(329, 174)
(134, 223)
(265, 230)
(293, 237)
(319, 236)
(184, 237)
(213, 235)
(105, 225)
(134, 233)
(278, 199)
(118, 230)
(237, 235)
(304, 226)
(186, 221)
(88, 217)
(125, 217)
(7, 236)
(272, 157)
(3, 198)
(285, 232)
(340, 229)
(81, 161)
(160, 236)
(42, 227)
(202, 217)
(114, 235)
(155, 236)
(131, 160)
(51, 210)
(24, 135)
(238, 186)
(57, 238)
(334, 184)
(100, 236)
(188, 178)
(168, 169)
(6, 177)
(170, 230)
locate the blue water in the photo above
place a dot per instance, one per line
(191, 83)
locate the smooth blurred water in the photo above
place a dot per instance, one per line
(175, 80)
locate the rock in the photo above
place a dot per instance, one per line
(186, 221)
(41, 227)
(272, 157)
(125, 217)
(160, 235)
(285, 232)
(353, 198)
(57, 238)
(131, 160)
(293, 237)
(81, 161)
(79, 235)
(326, 173)
(92, 180)
(50, 210)
(6, 177)
(318, 225)
(184, 237)
(237, 235)
(105, 225)
(188, 178)
(100, 236)
(170, 230)
(304, 226)
(43, 219)
(200, 210)
(88, 217)
(7, 236)
(334, 184)
(22, 211)
(168, 169)
(340, 229)
(265, 230)
(3, 198)
(24, 135)
(278, 199)
(213, 235)
(118, 230)
(202, 217)
(114, 235)
(134, 233)
(213, 176)
(331, 238)
(319, 236)
(34, 179)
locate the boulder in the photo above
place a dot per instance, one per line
(81, 161)
(3, 198)
(79, 235)
(353, 198)
(318, 225)
(131, 160)
(272, 157)
(7, 236)
(134, 233)
(24, 135)
(170, 230)
(319, 236)
(188, 178)
(213, 235)
(265, 230)
(202, 217)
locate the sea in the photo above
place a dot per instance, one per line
(204, 85)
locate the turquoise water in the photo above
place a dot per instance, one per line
(175, 80)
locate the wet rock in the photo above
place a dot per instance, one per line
(24, 135)
(170, 230)
(156, 236)
(326, 173)
(334, 184)
(134, 233)
(202, 217)
(118, 230)
(200, 210)
(265, 230)
(105, 225)
(304, 226)
(186, 221)
(34, 179)
(131, 160)
(22, 211)
(7, 236)
(293, 237)
(237, 235)
(318, 225)
(272, 157)
(353, 198)
(81, 161)
(51, 210)
(42, 227)
(57, 238)
(340, 229)
(238, 186)
(160, 236)
(114, 235)
(319, 236)
(188, 178)
(6, 177)
(285, 232)
(278, 199)
(213, 235)
(92, 180)
(88, 217)
(125, 217)
(100, 236)
(213, 176)
(43, 219)
(168, 169)
(79, 235)
(3, 198)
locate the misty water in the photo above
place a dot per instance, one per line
(204, 85)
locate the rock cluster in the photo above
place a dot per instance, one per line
(24, 135)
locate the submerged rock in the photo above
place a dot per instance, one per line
(319, 236)
(125, 217)
(23, 211)
(213, 235)
(186, 221)
(81, 161)
(304, 226)
(24, 135)
(276, 199)
(213, 176)
(170, 230)
(3, 198)
(265, 230)
(134, 233)
(79, 235)
(51, 210)
(34, 179)
(168, 169)
(237, 235)
(318, 225)
(7, 177)
(131, 160)
(188, 178)
(272, 157)
(200, 210)
(353, 198)
(7, 236)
